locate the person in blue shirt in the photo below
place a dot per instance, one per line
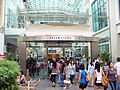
(82, 78)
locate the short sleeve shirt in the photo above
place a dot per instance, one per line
(111, 74)
(83, 76)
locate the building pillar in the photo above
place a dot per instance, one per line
(47, 51)
(113, 30)
(63, 51)
(22, 55)
(94, 49)
(89, 52)
(2, 30)
(2, 44)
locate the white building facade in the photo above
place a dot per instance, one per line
(11, 25)
(106, 25)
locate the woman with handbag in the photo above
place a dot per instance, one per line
(67, 81)
(82, 78)
(105, 68)
(111, 74)
(98, 76)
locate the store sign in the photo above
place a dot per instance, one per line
(52, 51)
(60, 38)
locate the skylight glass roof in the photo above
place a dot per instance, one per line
(57, 11)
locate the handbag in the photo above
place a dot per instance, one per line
(105, 81)
(87, 77)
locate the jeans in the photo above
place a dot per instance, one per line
(37, 71)
(59, 80)
(62, 78)
(71, 78)
(117, 84)
(113, 85)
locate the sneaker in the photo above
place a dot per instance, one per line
(64, 88)
(54, 84)
(71, 85)
(77, 84)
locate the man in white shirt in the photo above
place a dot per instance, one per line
(97, 60)
(117, 66)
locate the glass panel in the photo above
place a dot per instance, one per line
(99, 11)
(57, 11)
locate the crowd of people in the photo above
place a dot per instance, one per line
(35, 67)
(69, 70)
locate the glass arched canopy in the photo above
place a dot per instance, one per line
(57, 11)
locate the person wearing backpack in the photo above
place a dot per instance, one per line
(82, 78)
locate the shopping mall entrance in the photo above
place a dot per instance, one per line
(41, 47)
(58, 49)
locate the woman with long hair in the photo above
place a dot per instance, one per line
(105, 68)
(53, 74)
(22, 78)
(82, 78)
(98, 76)
(67, 75)
(72, 71)
(111, 74)
(77, 68)
(91, 69)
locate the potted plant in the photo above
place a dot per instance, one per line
(8, 72)
(105, 56)
(10, 56)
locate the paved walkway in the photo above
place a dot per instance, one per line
(47, 85)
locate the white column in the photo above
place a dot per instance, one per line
(89, 51)
(1, 27)
(113, 30)
(1, 43)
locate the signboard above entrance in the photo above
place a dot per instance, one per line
(59, 38)
(52, 51)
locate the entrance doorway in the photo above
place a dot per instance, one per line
(77, 50)
(72, 46)
(54, 52)
(53, 56)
